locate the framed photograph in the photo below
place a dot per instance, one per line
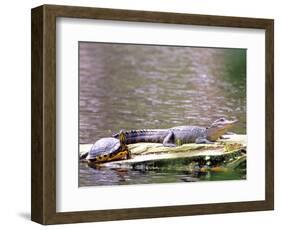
(139, 114)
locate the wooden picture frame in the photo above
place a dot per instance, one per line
(43, 188)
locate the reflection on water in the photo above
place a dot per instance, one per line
(141, 86)
(168, 171)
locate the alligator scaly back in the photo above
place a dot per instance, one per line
(144, 135)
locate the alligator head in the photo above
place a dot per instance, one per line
(219, 127)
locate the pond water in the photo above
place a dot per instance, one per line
(147, 86)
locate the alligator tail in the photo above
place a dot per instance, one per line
(144, 135)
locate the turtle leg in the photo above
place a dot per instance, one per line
(168, 139)
(230, 133)
(129, 154)
(124, 148)
(83, 156)
(224, 137)
(122, 138)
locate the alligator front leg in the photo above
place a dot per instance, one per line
(168, 139)
(202, 140)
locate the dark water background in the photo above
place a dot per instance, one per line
(144, 86)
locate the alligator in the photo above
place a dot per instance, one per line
(181, 134)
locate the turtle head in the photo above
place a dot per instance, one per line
(122, 137)
(219, 127)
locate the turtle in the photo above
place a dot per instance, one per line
(109, 149)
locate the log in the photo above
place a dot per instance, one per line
(229, 152)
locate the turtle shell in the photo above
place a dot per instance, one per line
(104, 146)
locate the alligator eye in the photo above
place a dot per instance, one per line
(221, 119)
